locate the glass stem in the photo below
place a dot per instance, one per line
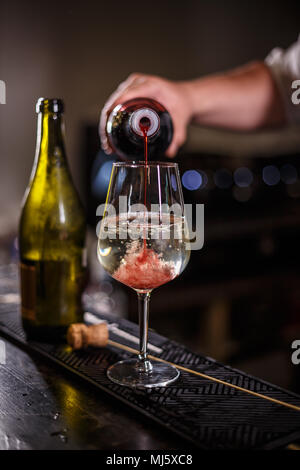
(144, 364)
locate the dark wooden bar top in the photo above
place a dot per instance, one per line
(64, 405)
(43, 407)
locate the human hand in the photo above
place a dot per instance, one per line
(173, 96)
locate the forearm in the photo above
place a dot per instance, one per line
(243, 99)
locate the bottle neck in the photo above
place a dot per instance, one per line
(50, 136)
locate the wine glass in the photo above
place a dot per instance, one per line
(143, 243)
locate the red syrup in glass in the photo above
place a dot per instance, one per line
(144, 270)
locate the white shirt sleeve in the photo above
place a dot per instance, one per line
(285, 68)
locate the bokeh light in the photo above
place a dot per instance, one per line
(289, 174)
(271, 175)
(243, 177)
(242, 194)
(204, 179)
(191, 180)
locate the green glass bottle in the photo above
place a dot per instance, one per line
(51, 235)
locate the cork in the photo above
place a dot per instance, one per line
(80, 335)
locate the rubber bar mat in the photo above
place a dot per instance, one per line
(208, 414)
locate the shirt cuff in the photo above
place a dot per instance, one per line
(285, 68)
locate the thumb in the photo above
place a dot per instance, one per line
(172, 149)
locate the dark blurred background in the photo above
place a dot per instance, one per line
(238, 299)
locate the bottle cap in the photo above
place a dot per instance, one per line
(144, 113)
(54, 105)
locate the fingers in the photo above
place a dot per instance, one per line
(172, 150)
(114, 98)
(103, 137)
(162, 90)
(136, 85)
(140, 86)
(179, 137)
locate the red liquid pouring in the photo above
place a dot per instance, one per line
(143, 269)
(144, 126)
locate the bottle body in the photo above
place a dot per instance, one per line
(124, 128)
(51, 237)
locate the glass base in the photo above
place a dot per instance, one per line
(128, 373)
